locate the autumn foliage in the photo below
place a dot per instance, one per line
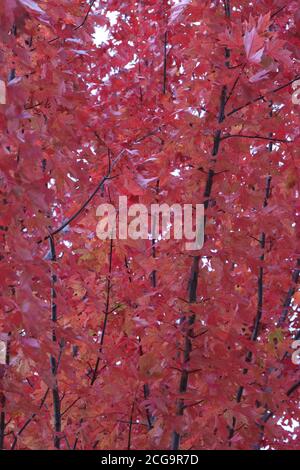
(140, 344)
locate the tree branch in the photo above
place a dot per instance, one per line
(278, 11)
(235, 84)
(289, 296)
(193, 280)
(130, 426)
(29, 420)
(293, 388)
(55, 390)
(260, 292)
(165, 63)
(86, 16)
(70, 406)
(78, 212)
(106, 313)
(3, 400)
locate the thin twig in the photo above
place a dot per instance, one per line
(86, 16)
(96, 190)
(78, 212)
(28, 421)
(106, 313)
(69, 407)
(290, 294)
(293, 388)
(3, 422)
(262, 97)
(235, 84)
(193, 280)
(260, 294)
(278, 11)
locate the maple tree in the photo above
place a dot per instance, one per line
(139, 344)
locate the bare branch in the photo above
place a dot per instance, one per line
(86, 16)
(293, 388)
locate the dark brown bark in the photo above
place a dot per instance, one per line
(187, 324)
